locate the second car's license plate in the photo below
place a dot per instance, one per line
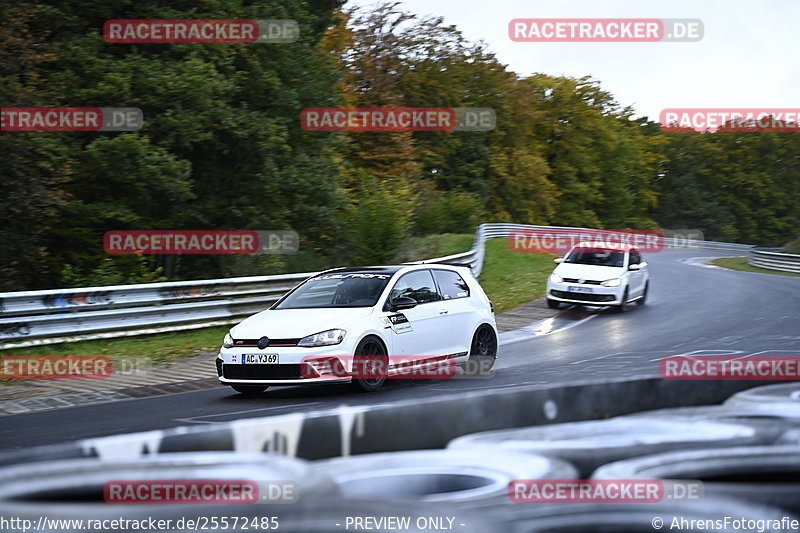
(580, 289)
(260, 358)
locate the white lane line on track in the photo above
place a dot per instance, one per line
(537, 329)
(703, 353)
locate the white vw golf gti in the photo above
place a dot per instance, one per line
(351, 316)
(592, 274)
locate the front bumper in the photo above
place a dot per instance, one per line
(598, 296)
(292, 369)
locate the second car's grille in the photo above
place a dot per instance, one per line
(586, 281)
(249, 343)
(261, 371)
(583, 297)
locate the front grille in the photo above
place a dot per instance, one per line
(586, 281)
(261, 371)
(249, 343)
(583, 297)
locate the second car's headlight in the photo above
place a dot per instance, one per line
(325, 338)
(555, 278)
(227, 342)
(610, 283)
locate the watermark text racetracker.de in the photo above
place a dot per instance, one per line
(55, 367)
(201, 31)
(201, 242)
(71, 119)
(603, 490)
(754, 368)
(395, 119)
(560, 241)
(199, 492)
(781, 120)
(605, 30)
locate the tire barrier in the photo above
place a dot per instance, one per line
(450, 476)
(781, 400)
(636, 517)
(77, 485)
(768, 475)
(772, 426)
(401, 425)
(588, 445)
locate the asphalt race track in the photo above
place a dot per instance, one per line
(690, 309)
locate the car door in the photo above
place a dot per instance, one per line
(458, 310)
(422, 330)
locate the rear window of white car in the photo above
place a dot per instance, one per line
(451, 284)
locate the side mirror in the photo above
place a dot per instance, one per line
(635, 267)
(558, 260)
(404, 302)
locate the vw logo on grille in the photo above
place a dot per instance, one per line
(581, 281)
(263, 342)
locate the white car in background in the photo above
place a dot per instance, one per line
(596, 275)
(353, 316)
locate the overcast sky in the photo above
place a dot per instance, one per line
(749, 57)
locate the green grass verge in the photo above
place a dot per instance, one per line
(740, 263)
(510, 279)
(155, 348)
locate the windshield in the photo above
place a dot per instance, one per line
(595, 256)
(351, 289)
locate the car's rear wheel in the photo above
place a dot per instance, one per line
(643, 298)
(370, 364)
(553, 304)
(483, 352)
(249, 390)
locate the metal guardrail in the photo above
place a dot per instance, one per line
(769, 258)
(32, 318)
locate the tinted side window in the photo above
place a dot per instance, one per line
(635, 258)
(451, 285)
(418, 285)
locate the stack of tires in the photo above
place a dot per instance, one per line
(745, 452)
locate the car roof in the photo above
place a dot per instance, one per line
(393, 269)
(616, 247)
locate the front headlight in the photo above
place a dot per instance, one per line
(610, 283)
(555, 278)
(325, 338)
(227, 342)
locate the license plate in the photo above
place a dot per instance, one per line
(580, 289)
(259, 359)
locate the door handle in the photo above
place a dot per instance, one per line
(443, 311)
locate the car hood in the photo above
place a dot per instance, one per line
(593, 272)
(296, 323)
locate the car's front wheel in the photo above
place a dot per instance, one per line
(249, 390)
(553, 304)
(369, 365)
(643, 298)
(620, 308)
(483, 352)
